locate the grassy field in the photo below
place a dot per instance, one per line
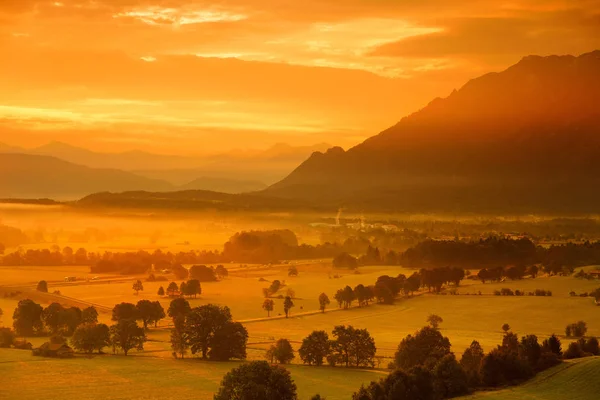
(25, 377)
(578, 380)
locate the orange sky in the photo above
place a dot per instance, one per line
(181, 76)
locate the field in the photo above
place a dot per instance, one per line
(138, 377)
(578, 380)
(467, 316)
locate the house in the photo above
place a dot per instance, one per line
(595, 273)
(54, 350)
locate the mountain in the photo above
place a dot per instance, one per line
(224, 185)
(25, 175)
(526, 139)
(246, 166)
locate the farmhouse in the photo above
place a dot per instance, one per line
(595, 273)
(54, 350)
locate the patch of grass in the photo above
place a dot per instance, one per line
(134, 377)
(577, 380)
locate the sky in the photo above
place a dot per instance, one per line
(191, 77)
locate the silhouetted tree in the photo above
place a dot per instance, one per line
(323, 302)
(179, 308)
(281, 351)
(27, 318)
(314, 348)
(471, 362)
(90, 336)
(42, 286)
(124, 311)
(425, 348)
(161, 291)
(137, 286)
(434, 320)
(450, 380)
(126, 335)
(89, 315)
(257, 380)
(287, 305)
(268, 305)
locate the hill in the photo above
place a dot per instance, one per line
(576, 380)
(41, 176)
(224, 185)
(522, 140)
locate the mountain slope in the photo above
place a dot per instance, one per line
(526, 139)
(25, 175)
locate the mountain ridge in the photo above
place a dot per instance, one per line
(531, 128)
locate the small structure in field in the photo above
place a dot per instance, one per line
(54, 350)
(595, 273)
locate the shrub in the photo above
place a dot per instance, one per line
(573, 351)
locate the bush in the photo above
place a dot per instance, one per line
(577, 329)
(574, 351)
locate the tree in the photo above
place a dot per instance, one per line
(352, 347)
(292, 271)
(221, 272)
(416, 385)
(202, 323)
(530, 350)
(281, 351)
(552, 345)
(172, 289)
(574, 351)
(533, 271)
(72, 318)
(193, 288)
(127, 335)
(161, 291)
(90, 336)
(275, 286)
(89, 315)
(180, 271)
(183, 289)
(434, 320)
(577, 329)
(137, 286)
(449, 377)
(257, 380)
(149, 312)
(323, 302)
(124, 311)
(53, 317)
(471, 362)
(42, 286)
(229, 341)
(506, 328)
(592, 346)
(346, 261)
(425, 348)
(27, 318)
(179, 337)
(7, 338)
(287, 305)
(268, 305)
(203, 273)
(178, 308)
(314, 348)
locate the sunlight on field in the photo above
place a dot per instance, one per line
(119, 377)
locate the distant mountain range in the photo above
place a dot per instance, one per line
(523, 140)
(31, 176)
(83, 171)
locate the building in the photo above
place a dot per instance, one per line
(54, 350)
(595, 273)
